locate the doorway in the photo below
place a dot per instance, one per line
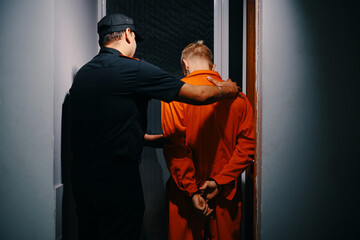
(228, 28)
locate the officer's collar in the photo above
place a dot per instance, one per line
(109, 50)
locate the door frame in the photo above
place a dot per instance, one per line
(250, 85)
(253, 174)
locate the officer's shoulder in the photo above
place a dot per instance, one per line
(148, 67)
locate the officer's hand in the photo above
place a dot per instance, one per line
(155, 141)
(229, 88)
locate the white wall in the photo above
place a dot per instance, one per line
(308, 79)
(42, 42)
(75, 24)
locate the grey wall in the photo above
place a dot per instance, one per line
(309, 107)
(75, 43)
(40, 45)
(27, 200)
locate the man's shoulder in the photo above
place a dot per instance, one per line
(127, 57)
(147, 69)
(242, 102)
(126, 60)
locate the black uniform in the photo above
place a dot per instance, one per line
(109, 100)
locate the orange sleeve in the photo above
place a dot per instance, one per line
(177, 154)
(243, 154)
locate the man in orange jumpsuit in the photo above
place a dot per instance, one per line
(210, 147)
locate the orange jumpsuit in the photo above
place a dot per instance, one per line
(213, 141)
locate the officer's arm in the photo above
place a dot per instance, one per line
(206, 94)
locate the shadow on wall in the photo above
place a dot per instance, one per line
(310, 128)
(336, 54)
(336, 44)
(69, 217)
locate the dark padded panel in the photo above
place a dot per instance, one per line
(236, 41)
(167, 27)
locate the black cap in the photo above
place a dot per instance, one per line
(116, 22)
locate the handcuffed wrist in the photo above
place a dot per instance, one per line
(222, 92)
(197, 192)
(220, 187)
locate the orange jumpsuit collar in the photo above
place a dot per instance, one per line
(210, 73)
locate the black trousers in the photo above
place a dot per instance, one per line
(109, 202)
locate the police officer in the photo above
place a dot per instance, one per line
(109, 99)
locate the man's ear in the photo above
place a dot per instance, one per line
(213, 67)
(186, 63)
(127, 35)
(185, 67)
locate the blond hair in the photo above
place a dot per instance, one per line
(197, 50)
